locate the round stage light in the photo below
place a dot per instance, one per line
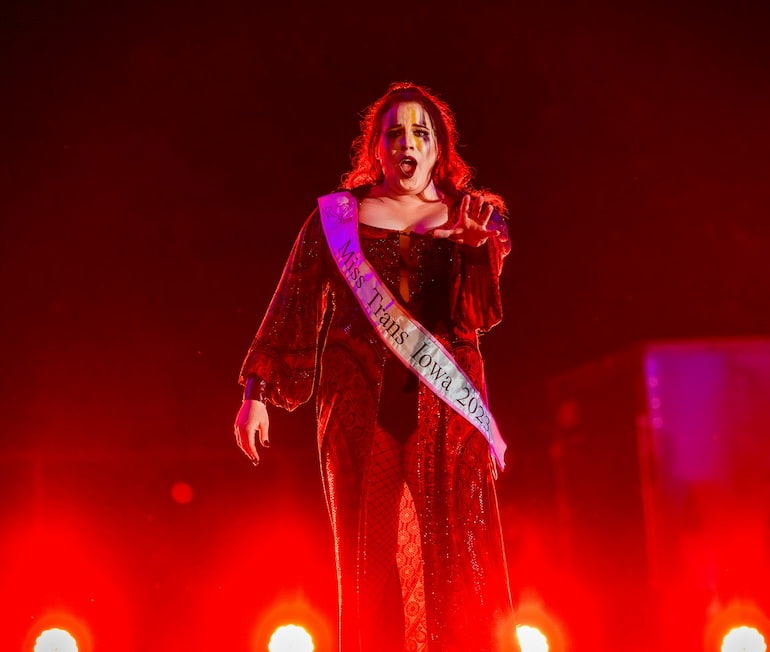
(56, 640)
(291, 638)
(531, 639)
(744, 639)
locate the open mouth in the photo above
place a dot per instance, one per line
(407, 165)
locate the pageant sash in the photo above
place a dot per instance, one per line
(401, 333)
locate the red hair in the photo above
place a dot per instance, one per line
(451, 174)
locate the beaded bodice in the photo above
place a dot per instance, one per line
(415, 267)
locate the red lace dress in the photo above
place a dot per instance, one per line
(408, 482)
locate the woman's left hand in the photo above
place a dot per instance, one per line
(470, 227)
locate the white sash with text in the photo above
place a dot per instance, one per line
(403, 335)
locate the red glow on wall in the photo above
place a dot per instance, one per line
(264, 572)
(182, 493)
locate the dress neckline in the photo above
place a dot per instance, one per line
(384, 229)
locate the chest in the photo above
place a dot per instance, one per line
(406, 218)
(412, 265)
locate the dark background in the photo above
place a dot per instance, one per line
(159, 158)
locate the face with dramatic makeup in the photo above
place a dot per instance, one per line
(407, 149)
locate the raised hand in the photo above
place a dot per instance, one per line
(471, 225)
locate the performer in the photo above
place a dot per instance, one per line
(388, 338)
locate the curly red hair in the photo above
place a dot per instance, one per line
(451, 174)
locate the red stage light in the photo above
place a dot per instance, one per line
(536, 629)
(61, 577)
(531, 639)
(56, 640)
(273, 628)
(740, 626)
(58, 631)
(744, 639)
(291, 638)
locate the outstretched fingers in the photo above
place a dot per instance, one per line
(471, 225)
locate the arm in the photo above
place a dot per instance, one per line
(280, 366)
(285, 349)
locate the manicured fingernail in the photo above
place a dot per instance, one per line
(266, 444)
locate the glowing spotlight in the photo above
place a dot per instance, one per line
(291, 638)
(744, 639)
(56, 640)
(531, 639)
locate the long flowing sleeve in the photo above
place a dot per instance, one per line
(476, 299)
(285, 350)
